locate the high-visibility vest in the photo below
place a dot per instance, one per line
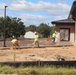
(36, 37)
(54, 35)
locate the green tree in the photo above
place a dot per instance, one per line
(44, 29)
(14, 26)
(18, 27)
(31, 28)
(52, 29)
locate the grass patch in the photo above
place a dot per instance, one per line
(35, 70)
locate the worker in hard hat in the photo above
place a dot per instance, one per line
(53, 37)
(36, 39)
(15, 44)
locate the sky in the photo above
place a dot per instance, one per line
(34, 12)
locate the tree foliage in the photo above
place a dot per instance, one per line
(31, 28)
(13, 27)
(44, 29)
(52, 30)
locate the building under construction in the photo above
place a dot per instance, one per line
(66, 28)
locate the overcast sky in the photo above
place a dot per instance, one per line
(36, 11)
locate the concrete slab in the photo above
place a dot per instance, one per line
(60, 44)
(65, 43)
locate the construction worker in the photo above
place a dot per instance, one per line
(53, 37)
(15, 44)
(36, 40)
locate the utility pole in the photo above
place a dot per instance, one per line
(5, 26)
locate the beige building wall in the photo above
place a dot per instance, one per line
(72, 37)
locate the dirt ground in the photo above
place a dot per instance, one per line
(42, 54)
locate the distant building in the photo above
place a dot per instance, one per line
(29, 34)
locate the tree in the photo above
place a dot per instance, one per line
(44, 29)
(18, 27)
(14, 27)
(31, 28)
(52, 29)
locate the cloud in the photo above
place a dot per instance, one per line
(36, 13)
(37, 19)
(2, 5)
(33, 19)
(48, 7)
(59, 17)
(59, 8)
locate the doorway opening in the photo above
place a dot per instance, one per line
(64, 34)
